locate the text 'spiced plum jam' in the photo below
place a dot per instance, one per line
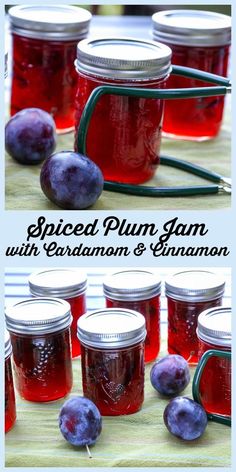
(138, 290)
(200, 40)
(10, 404)
(214, 332)
(125, 132)
(112, 357)
(40, 337)
(44, 50)
(188, 294)
(69, 284)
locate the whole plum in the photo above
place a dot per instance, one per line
(80, 421)
(170, 375)
(185, 418)
(70, 180)
(30, 136)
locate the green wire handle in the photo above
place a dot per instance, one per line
(222, 89)
(223, 419)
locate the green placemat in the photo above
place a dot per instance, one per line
(23, 190)
(138, 440)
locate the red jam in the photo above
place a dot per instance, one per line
(113, 377)
(125, 132)
(188, 293)
(10, 404)
(68, 284)
(214, 333)
(199, 40)
(42, 360)
(44, 50)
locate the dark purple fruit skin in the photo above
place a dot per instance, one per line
(30, 136)
(185, 418)
(80, 421)
(170, 375)
(71, 181)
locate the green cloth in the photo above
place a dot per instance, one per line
(23, 190)
(138, 440)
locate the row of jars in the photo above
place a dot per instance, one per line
(112, 355)
(56, 69)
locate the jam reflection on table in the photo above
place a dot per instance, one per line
(114, 379)
(195, 118)
(10, 406)
(150, 309)
(215, 383)
(42, 365)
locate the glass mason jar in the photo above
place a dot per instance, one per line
(112, 358)
(214, 368)
(44, 49)
(201, 40)
(189, 292)
(69, 284)
(125, 132)
(138, 290)
(40, 337)
(10, 403)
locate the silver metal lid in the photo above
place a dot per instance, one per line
(60, 283)
(111, 328)
(8, 348)
(123, 58)
(55, 22)
(214, 326)
(195, 286)
(132, 285)
(192, 27)
(38, 316)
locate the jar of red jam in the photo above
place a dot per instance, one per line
(112, 358)
(10, 403)
(212, 380)
(201, 40)
(40, 337)
(69, 284)
(124, 134)
(190, 292)
(138, 290)
(44, 50)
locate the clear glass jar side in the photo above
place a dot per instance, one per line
(10, 403)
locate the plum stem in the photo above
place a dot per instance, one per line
(88, 451)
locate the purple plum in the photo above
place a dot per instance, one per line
(185, 418)
(170, 375)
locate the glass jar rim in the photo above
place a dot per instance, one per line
(38, 316)
(59, 283)
(192, 27)
(119, 58)
(194, 285)
(111, 328)
(214, 326)
(131, 285)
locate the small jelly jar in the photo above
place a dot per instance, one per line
(212, 380)
(69, 284)
(112, 358)
(44, 49)
(10, 403)
(40, 336)
(138, 290)
(201, 40)
(189, 292)
(124, 134)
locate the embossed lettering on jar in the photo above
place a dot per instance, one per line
(44, 50)
(69, 284)
(125, 132)
(214, 333)
(188, 293)
(200, 40)
(138, 290)
(112, 358)
(10, 403)
(40, 337)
